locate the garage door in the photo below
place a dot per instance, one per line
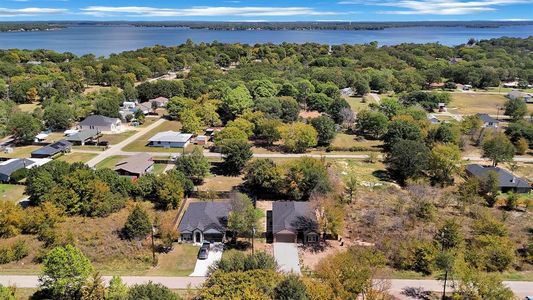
(285, 238)
(213, 237)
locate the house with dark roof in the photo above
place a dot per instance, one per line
(516, 94)
(204, 221)
(101, 123)
(83, 136)
(136, 165)
(62, 146)
(507, 181)
(292, 222)
(160, 101)
(488, 121)
(9, 167)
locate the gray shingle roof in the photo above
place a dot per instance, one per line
(486, 118)
(205, 216)
(293, 216)
(53, 149)
(137, 163)
(98, 120)
(506, 178)
(13, 165)
(82, 135)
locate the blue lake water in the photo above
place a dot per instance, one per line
(104, 40)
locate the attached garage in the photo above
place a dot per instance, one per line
(212, 235)
(285, 236)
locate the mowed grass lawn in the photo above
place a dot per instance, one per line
(118, 137)
(140, 144)
(21, 151)
(472, 103)
(178, 262)
(11, 192)
(74, 157)
(109, 162)
(349, 140)
(356, 103)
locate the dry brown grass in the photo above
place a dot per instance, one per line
(472, 103)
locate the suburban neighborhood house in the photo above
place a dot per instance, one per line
(49, 151)
(84, 136)
(102, 124)
(170, 139)
(160, 101)
(507, 180)
(136, 165)
(204, 221)
(488, 121)
(293, 222)
(8, 167)
(514, 94)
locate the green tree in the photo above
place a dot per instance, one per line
(289, 109)
(191, 123)
(194, 165)
(371, 123)
(243, 216)
(445, 162)
(170, 190)
(267, 130)
(305, 176)
(65, 272)
(498, 149)
(117, 290)
(390, 107)
(235, 101)
(476, 284)
(263, 176)
(522, 146)
(95, 288)
(291, 288)
(236, 155)
(297, 137)
(490, 187)
(318, 101)
(23, 127)
(138, 224)
(7, 292)
(58, 116)
(325, 128)
(515, 108)
(408, 160)
(151, 291)
(11, 219)
(401, 130)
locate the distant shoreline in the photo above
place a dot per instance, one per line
(246, 26)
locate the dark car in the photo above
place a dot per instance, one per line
(206, 245)
(203, 253)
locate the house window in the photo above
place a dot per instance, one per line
(312, 238)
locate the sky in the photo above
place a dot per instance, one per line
(266, 10)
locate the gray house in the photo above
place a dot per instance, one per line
(83, 136)
(488, 121)
(507, 181)
(170, 139)
(204, 221)
(293, 222)
(8, 167)
(136, 165)
(62, 146)
(101, 123)
(514, 94)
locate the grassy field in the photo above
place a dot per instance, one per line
(139, 145)
(28, 107)
(109, 162)
(349, 140)
(356, 103)
(11, 192)
(472, 103)
(363, 171)
(178, 262)
(21, 152)
(118, 137)
(76, 157)
(220, 183)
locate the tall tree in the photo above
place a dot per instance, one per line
(138, 224)
(194, 165)
(23, 127)
(499, 149)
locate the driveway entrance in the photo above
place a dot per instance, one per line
(286, 255)
(202, 265)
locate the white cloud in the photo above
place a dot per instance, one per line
(30, 11)
(204, 11)
(438, 7)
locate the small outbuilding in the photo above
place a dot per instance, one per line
(204, 221)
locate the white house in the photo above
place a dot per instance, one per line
(102, 124)
(170, 139)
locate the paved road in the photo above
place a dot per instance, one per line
(520, 288)
(117, 148)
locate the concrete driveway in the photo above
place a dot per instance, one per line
(286, 254)
(202, 265)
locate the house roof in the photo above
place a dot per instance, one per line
(205, 216)
(54, 148)
(163, 100)
(171, 136)
(486, 118)
(136, 164)
(98, 120)
(9, 166)
(506, 178)
(293, 216)
(518, 94)
(82, 135)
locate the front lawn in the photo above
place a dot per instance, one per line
(11, 192)
(178, 262)
(74, 157)
(118, 137)
(356, 103)
(21, 151)
(109, 162)
(472, 103)
(140, 144)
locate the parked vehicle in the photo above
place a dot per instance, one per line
(203, 253)
(206, 245)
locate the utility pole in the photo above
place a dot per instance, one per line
(253, 237)
(153, 247)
